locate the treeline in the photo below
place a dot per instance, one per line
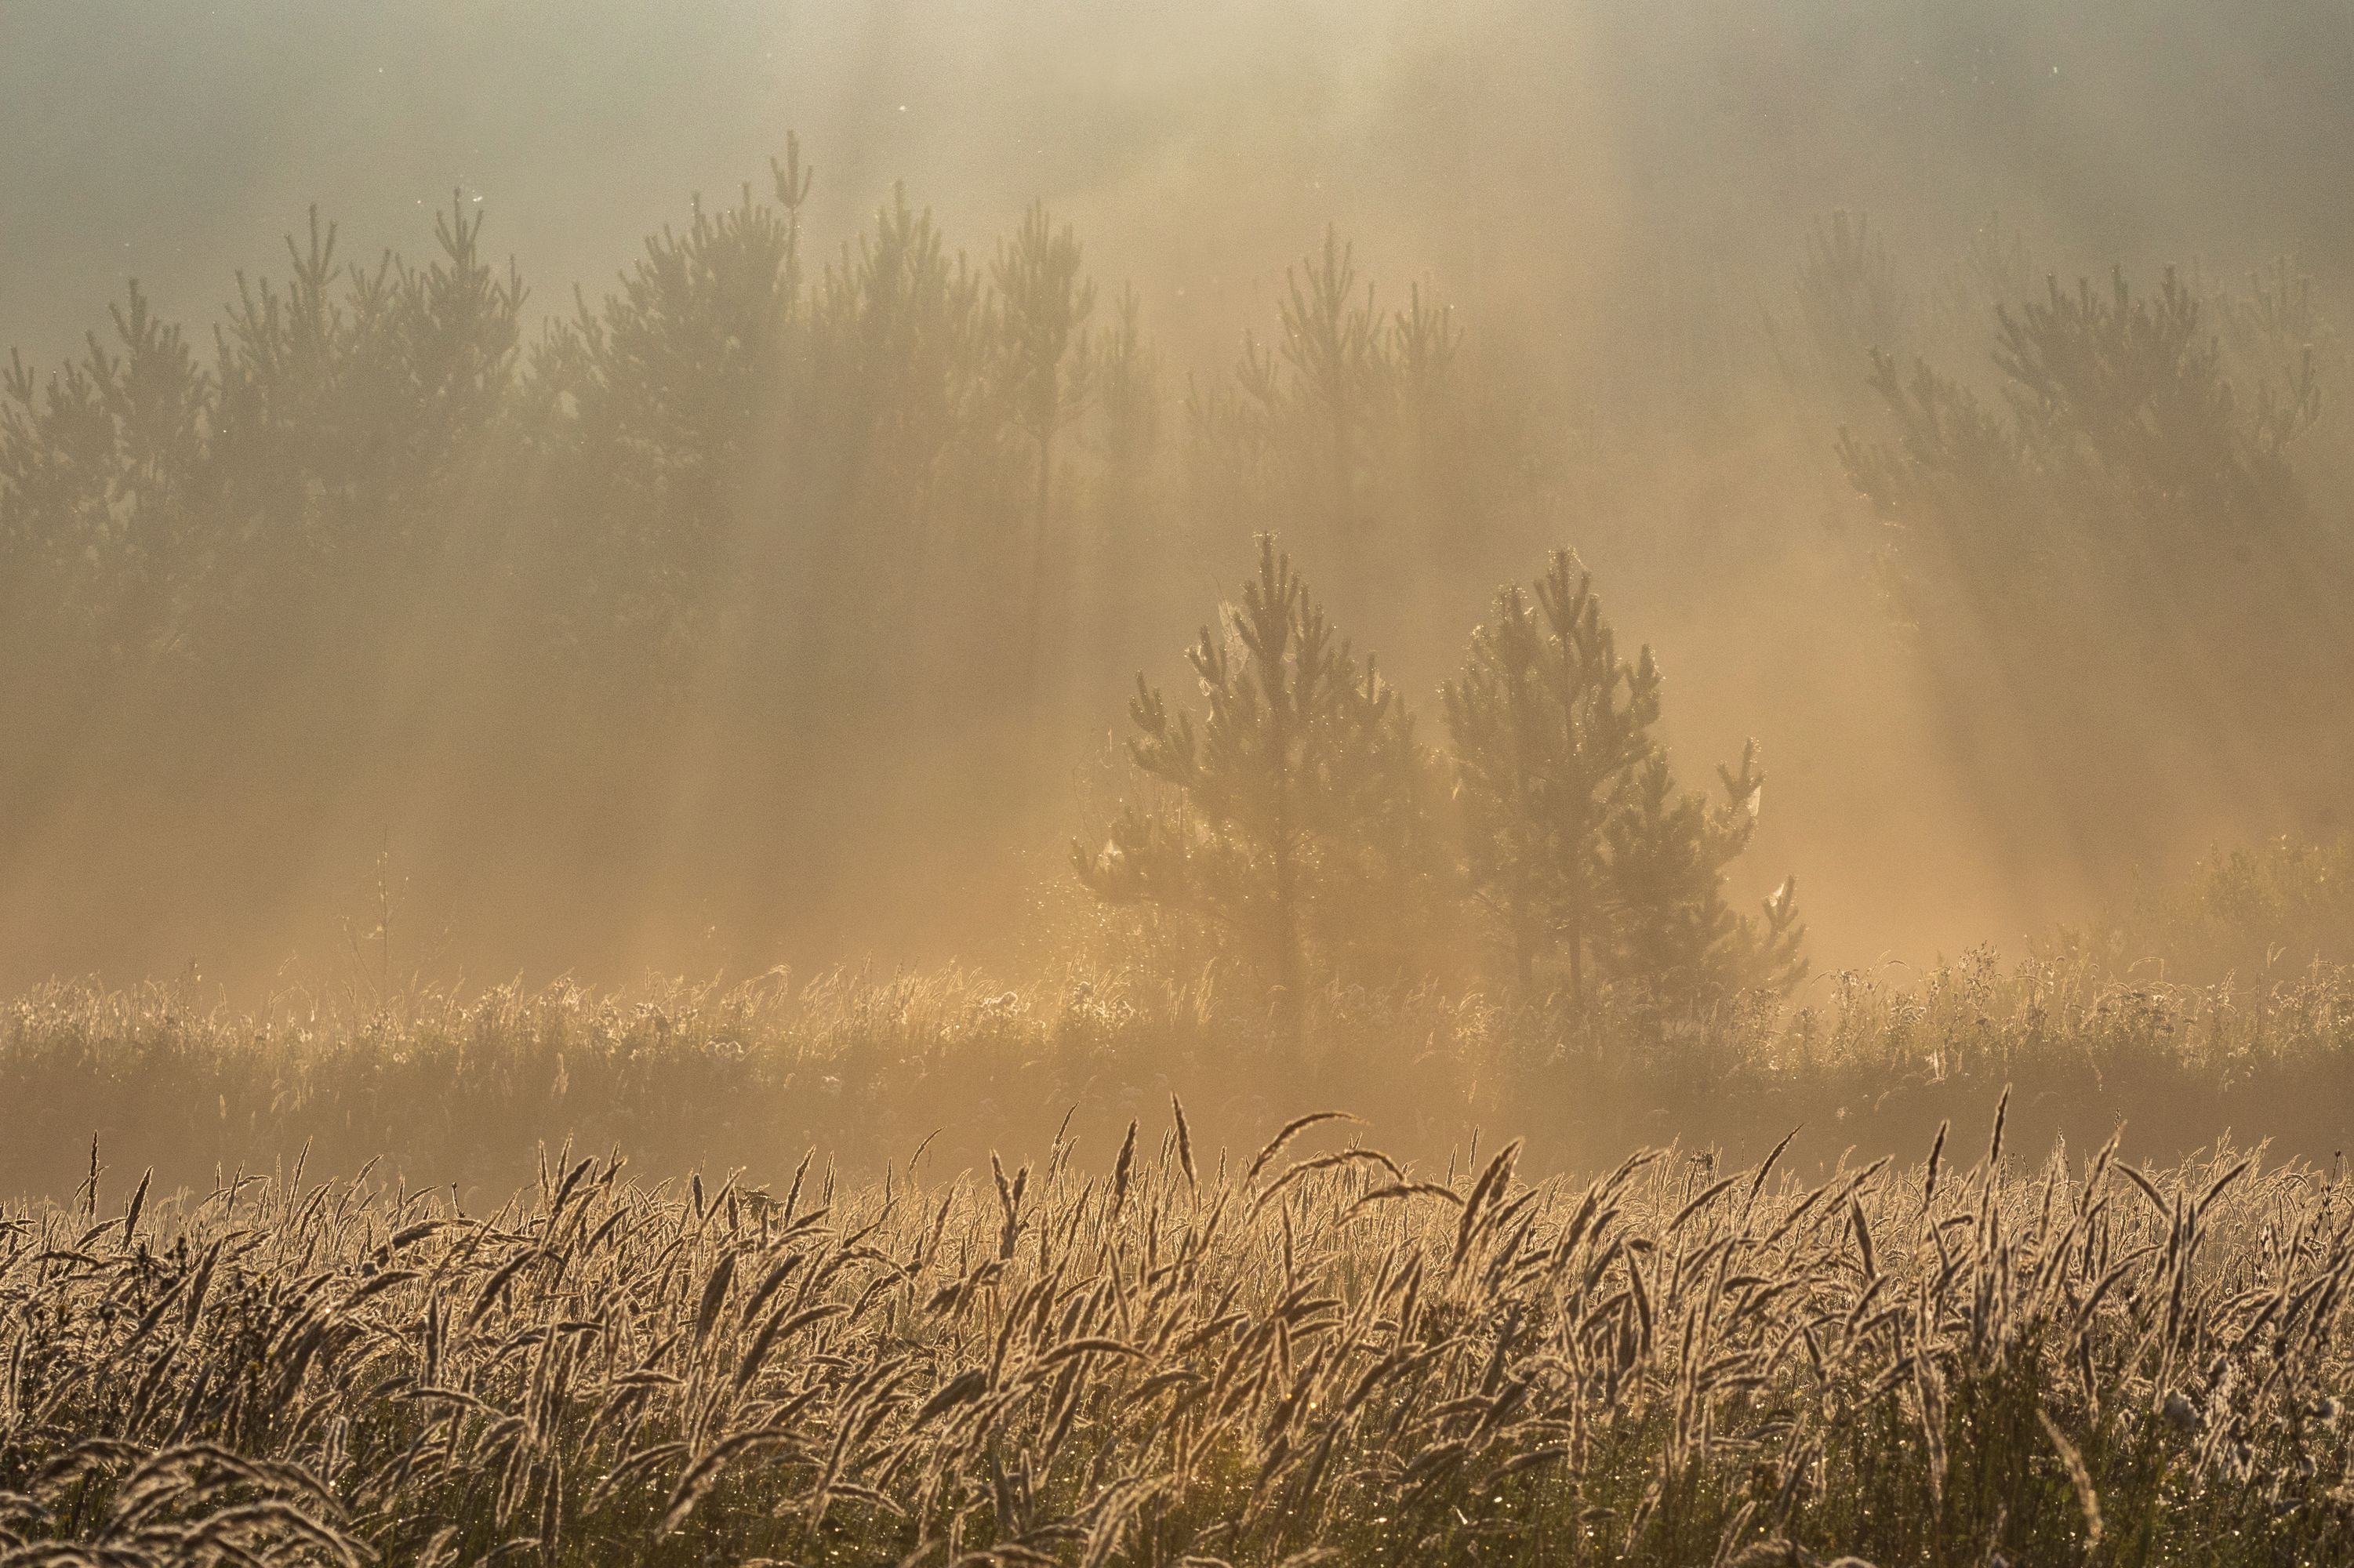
(702, 598)
(2111, 519)
(745, 596)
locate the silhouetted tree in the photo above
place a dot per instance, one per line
(1293, 815)
(1366, 431)
(1576, 840)
(1043, 302)
(653, 405)
(99, 473)
(2119, 586)
(1671, 935)
(1548, 722)
(1128, 507)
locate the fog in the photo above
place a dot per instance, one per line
(824, 689)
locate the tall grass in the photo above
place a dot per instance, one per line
(446, 1087)
(1165, 1356)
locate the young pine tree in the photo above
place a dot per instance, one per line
(1672, 933)
(1292, 815)
(1549, 724)
(1576, 842)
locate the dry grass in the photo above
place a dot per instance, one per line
(1172, 1357)
(947, 1356)
(446, 1088)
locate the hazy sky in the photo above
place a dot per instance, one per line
(170, 140)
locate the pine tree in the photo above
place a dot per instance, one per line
(2119, 590)
(1576, 838)
(651, 406)
(1125, 513)
(1672, 935)
(100, 469)
(1290, 816)
(1043, 302)
(1549, 723)
(1330, 341)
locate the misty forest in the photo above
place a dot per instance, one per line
(988, 787)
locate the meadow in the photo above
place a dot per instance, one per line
(444, 1088)
(1166, 1355)
(867, 1269)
